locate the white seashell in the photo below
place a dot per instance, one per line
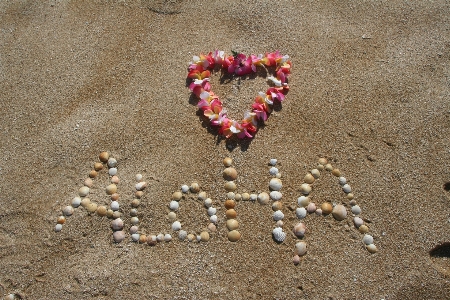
(134, 220)
(300, 248)
(275, 184)
(112, 162)
(176, 226)
(112, 171)
(278, 215)
(202, 196)
(213, 219)
(134, 229)
(212, 211)
(319, 211)
(185, 188)
(117, 224)
(315, 173)
(356, 209)
(115, 205)
(358, 221)
(83, 191)
(135, 237)
(273, 171)
(278, 175)
(303, 201)
(118, 236)
(182, 235)
(311, 208)
(305, 189)
(299, 230)
(273, 162)
(346, 188)
(208, 202)
(68, 210)
(342, 180)
(231, 195)
(58, 227)
(138, 177)
(367, 239)
(160, 237)
(174, 205)
(301, 212)
(263, 198)
(141, 185)
(253, 197)
(76, 202)
(278, 234)
(339, 212)
(167, 237)
(276, 195)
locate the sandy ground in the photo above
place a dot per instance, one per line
(369, 91)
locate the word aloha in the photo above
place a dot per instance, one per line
(239, 64)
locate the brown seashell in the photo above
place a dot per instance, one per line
(104, 156)
(111, 189)
(177, 196)
(300, 249)
(118, 236)
(327, 208)
(117, 224)
(230, 186)
(299, 230)
(135, 203)
(363, 229)
(151, 240)
(277, 205)
(231, 214)
(328, 167)
(142, 239)
(227, 161)
(195, 188)
(61, 220)
(323, 161)
(116, 214)
(93, 174)
(204, 236)
(245, 196)
(109, 213)
(229, 204)
(339, 212)
(232, 224)
(230, 174)
(212, 227)
(309, 178)
(336, 172)
(85, 202)
(139, 194)
(234, 236)
(101, 211)
(296, 259)
(115, 179)
(98, 166)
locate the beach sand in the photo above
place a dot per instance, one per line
(369, 91)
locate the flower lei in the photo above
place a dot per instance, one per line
(239, 64)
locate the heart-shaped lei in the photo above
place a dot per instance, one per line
(239, 64)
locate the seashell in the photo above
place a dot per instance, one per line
(273, 171)
(231, 195)
(232, 224)
(199, 238)
(231, 214)
(276, 195)
(339, 212)
(323, 161)
(230, 174)
(309, 178)
(85, 202)
(115, 179)
(135, 203)
(279, 223)
(212, 227)
(174, 205)
(111, 189)
(213, 219)
(346, 188)
(372, 248)
(112, 162)
(229, 204)
(68, 210)
(263, 198)
(88, 182)
(278, 234)
(350, 196)
(208, 202)
(201, 196)
(104, 156)
(177, 196)
(134, 220)
(230, 186)
(115, 197)
(277, 205)
(112, 171)
(181, 235)
(320, 167)
(61, 220)
(363, 229)
(336, 172)
(245, 197)
(367, 239)
(151, 240)
(118, 236)
(191, 237)
(117, 224)
(93, 174)
(296, 259)
(101, 211)
(167, 237)
(356, 209)
(116, 214)
(176, 226)
(134, 229)
(195, 188)
(273, 162)
(160, 237)
(76, 202)
(135, 237)
(140, 186)
(234, 236)
(300, 249)
(98, 166)
(278, 175)
(278, 215)
(172, 216)
(83, 191)
(238, 197)
(227, 161)
(311, 208)
(315, 173)
(58, 227)
(109, 213)
(352, 202)
(303, 201)
(185, 188)
(143, 239)
(301, 212)
(358, 222)
(139, 194)
(305, 189)
(91, 207)
(204, 236)
(319, 211)
(133, 212)
(138, 177)
(115, 205)
(342, 180)
(212, 211)
(275, 184)
(253, 197)
(328, 167)
(299, 230)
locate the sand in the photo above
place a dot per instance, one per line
(369, 91)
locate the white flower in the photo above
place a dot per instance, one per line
(275, 80)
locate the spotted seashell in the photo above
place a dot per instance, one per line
(301, 212)
(278, 215)
(278, 234)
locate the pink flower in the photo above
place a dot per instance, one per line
(275, 94)
(242, 65)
